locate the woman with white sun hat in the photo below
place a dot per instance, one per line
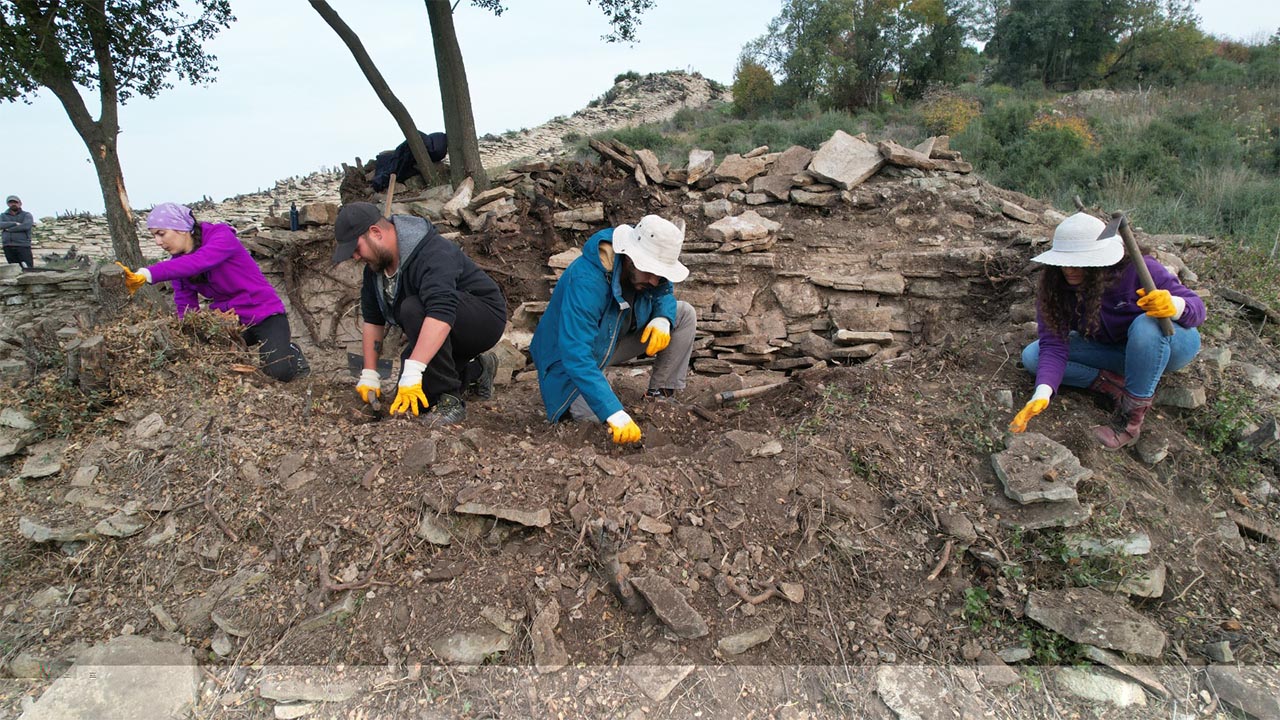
(1099, 329)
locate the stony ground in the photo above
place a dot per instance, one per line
(795, 550)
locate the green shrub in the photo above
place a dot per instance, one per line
(641, 137)
(631, 75)
(753, 88)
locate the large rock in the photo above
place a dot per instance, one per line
(1100, 687)
(530, 518)
(1089, 616)
(792, 162)
(777, 187)
(924, 693)
(461, 199)
(670, 606)
(747, 226)
(1039, 516)
(1035, 469)
(846, 161)
(744, 641)
(905, 157)
(1255, 691)
(45, 459)
(738, 169)
(700, 164)
(127, 678)
(548, 652)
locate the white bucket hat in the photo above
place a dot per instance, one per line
(653, 246)
(1076, 244)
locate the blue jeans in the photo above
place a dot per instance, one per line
(1142, 359)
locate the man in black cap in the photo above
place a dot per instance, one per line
(451, 312)
(15, 232)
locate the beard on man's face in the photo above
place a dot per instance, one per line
(380, 259)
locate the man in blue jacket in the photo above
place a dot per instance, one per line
(450, 310)
(15, 229)
(614, 304)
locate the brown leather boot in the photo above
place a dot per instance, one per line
(1110, 385)
(1126, 424)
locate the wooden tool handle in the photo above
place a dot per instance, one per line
(391, 190)
(1144, 275)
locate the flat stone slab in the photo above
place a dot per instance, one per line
(741, 642)
(534, 518)
(656, 681)
(1100, 687)
(1092, 617)
(1146, 582)
(129, 677)
(45, 459)
(471, 648)
(41, 533)
(1038, 516)
(924, 693)
(846, 161)
(670, 606)
(1256, 691)
(288, 686)
(548, 652)
(1138, 543)
(1035, 469)
(1120, 665)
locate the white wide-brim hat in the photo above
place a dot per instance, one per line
(653, 246)
(1076, 244)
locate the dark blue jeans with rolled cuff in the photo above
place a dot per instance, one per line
(1142, 359)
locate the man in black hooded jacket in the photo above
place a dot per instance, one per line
(451, 312)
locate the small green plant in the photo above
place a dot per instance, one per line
(975, 610)
(1222, 421)
(743, 405)
(1050, 648)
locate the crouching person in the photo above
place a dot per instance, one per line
(207, 260)
(614, 304)
(451, 312)
(1099, 329)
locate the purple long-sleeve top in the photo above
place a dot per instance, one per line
(231, 279)
(1119, 309)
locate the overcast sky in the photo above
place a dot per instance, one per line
(288, 98)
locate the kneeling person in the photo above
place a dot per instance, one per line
(451, 312)
(614, 304)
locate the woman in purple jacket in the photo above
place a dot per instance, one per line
(208, 260)
(1098, 328)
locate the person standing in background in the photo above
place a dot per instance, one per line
(15, 228)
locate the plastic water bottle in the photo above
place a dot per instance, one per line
(293, 216)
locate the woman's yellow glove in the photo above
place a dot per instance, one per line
(1158, 303)
(132, 281)
(658, 336)
(623, 429)
(1036, 405)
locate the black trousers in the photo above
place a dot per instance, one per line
(476, 328)
(279, 356)
(18, 255)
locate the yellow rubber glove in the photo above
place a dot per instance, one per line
(1158, 303)
(658, 336)
(1039, 401)
(132, 281)
(623, 429)
(370, 384)
(409, 395)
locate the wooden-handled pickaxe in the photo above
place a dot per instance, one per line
(1119, 223)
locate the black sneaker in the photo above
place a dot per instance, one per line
(304, 367)
(659, 393)
(483, 386)
(448, 410)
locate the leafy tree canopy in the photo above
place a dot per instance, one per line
(623, 15)
(143, 43)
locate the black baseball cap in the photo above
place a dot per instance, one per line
(354, 220)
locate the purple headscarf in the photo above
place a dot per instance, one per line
(171, 216)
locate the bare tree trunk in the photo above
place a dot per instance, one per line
(115, 199)
(380, 87)
(459, 125)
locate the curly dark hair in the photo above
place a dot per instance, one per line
(1060, 302)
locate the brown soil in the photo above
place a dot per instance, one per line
(873, 455)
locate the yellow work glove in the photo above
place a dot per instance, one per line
(133, 281)
(658, 336)
(409, 395)
(623, 429)
(1036, 405)
(1160, 303)
(370, 384)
